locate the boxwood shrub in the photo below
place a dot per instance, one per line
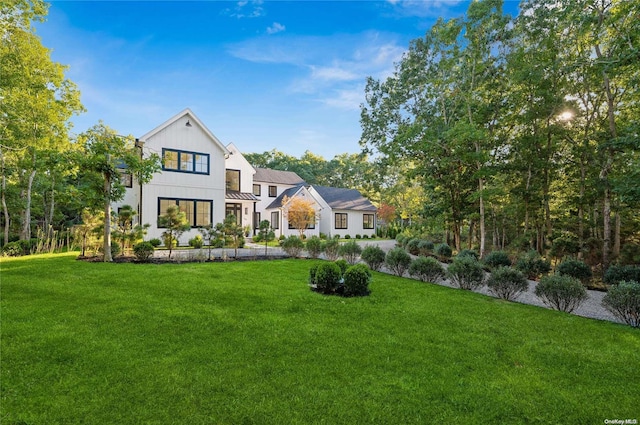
(327, 277)
(356, 280)
(575, 268)
(497, 259)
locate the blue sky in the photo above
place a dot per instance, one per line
(285, 75)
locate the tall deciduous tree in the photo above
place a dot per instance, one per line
(299, 212)
(104, 154)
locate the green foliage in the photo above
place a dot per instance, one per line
(466, 273)
(143, 251)
(197, 242)
(293, 246)
(175, 224)
(413, 246)
(265, 233)
(155, 242)
(374, 256)
(19, 248)
(616, 274)
(343, 266)
(468, 253)
(327, 277)
(507, 283)
(497, 259)
(314, 246)
(350, 251)
(331, 248)
(564, 245)
(577, 269)
(425, 247)
(233, 233)
(312, 275)
(563, 293)
(356, 280)
(115, 248)
(347, 236)
(443, 250)
(398, 261)
(623, 300)
(427, 269)
(532, 265)
(630, 254)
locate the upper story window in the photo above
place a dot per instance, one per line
(185, 162)
(126, 178)
(273, 191)
(233, 180)
(257, 189)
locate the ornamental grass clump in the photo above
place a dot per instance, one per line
(623, 301)
(562, 293)
(350, 251)
(507, 283)
(356, 281)
(398, 261)
(373, 256)
(466, 273)
(427, 269)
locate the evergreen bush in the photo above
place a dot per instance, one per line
(497, 259)
(331, 248)
(143, 251)
(314, 246)
(398, 261)
(623, 301)
(293, 246)
(468, 253)
(507, 283)
(196, 242)
(575, 268)
(616, 274)
(563, 293)
(413, 246)
(350, 251)
(425, 247)
(466, 273)
(356, 280)
(374, 256)
(155, 242)
(427, 269)
(327, 277)
(343, 265)
(443, 250)
(532, 265)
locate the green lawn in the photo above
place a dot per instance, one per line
(248, 342)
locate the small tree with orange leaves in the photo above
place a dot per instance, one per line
(299, 212)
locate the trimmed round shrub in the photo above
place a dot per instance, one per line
(350, 251)
(373, 256)
(497, 259)
(398, 261)
(331, 248)
(347, 236)
(196, 242)
(507, 283)
(427, 269)
(413, 246)
(466, 273)
(343, 265)
(116, 249)
(293, 246)
(312, 275)
(617, 274)
(575, 268)
(356, 280)
(155, 242)
(563, 293)
(314, 246)
(328, 277)
(623, 300)
(425, 247)
(443, 250)
(532, 265)
(143, 251)
(468, 253)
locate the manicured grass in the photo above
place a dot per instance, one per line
(248, 342)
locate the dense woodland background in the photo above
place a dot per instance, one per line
(494, 132)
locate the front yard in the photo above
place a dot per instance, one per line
(248, 342)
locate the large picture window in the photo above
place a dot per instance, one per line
(368, 221)
(185, 162)
(197, 211)
(341, 220)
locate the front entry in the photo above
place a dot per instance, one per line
(235, 210)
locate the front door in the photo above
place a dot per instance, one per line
(235, 210)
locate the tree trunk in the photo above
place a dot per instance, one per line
(5, 211)
(616, 236)
(471, 230)
(25, 233)
(106, 247)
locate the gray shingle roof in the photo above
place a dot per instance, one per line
(267, 175)
(277, 203)
(344, 199)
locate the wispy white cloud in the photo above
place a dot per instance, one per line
(246, 9)
(275, 28)
(422, 8)
(332, 69)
